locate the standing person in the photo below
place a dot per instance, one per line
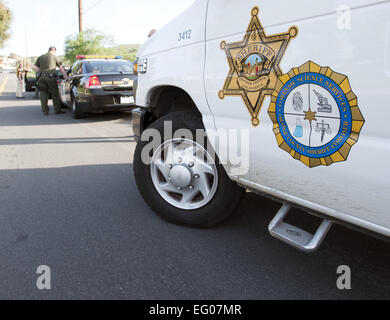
(19, 87)
(47, 83)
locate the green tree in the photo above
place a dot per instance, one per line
(127, 51)
(5, 23)
(88, 42)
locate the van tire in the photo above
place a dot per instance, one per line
(225, 201)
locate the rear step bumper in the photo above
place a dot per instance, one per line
(295, 236)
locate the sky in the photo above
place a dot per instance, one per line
(39, 24)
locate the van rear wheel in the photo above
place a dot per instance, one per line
(182, 182)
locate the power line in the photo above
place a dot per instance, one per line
(84, 12)
(68, 29)
(93, 6)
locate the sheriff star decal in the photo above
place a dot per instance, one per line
(254, 65)
(316, 115)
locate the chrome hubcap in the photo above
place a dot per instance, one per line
(184, 174)
(180, 176)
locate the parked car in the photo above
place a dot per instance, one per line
(299, 84)
(30, 81)
(98, 85)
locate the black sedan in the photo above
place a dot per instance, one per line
(98, 85)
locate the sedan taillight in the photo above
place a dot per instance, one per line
(93, 82)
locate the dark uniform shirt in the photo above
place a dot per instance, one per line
(48, 63)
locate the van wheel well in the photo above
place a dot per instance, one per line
(165, 100)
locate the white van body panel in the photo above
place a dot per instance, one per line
(177, 62)
(357, 190)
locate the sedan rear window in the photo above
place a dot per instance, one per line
(109, 66)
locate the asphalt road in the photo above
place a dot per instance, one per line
(69, 201)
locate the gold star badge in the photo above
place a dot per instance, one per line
(254, 65)
(310, 115)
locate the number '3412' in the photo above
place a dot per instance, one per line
(185, 35)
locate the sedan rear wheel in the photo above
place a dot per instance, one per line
(77, 114)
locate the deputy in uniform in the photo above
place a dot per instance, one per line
(47, 83)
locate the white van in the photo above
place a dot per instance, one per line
(307, 86)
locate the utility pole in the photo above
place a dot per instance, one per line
(80, 16)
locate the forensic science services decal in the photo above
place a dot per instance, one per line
(316, 115)
(254, 65)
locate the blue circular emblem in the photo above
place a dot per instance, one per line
(314, 115)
